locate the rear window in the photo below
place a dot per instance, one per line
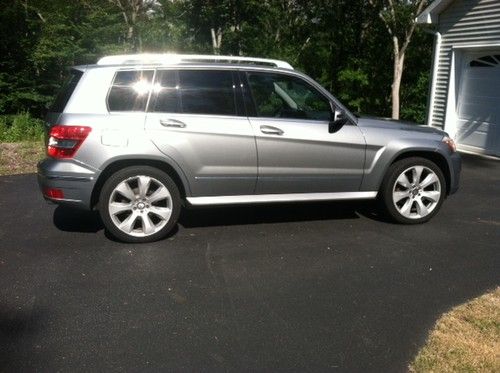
(66, 91)
(209, 92)
(130, 90)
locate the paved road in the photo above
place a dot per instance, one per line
(289, 287)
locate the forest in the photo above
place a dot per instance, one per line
(347, 45)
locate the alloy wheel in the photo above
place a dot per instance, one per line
(140, 206)
(416, 192)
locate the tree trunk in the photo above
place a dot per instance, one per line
(216, 39)
(399, 59)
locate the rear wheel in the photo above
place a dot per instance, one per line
(139, 204)
(413, 190)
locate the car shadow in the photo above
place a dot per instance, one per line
(276, 213)
(16, 326)
(72, 220)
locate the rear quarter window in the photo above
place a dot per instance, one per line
(66, 91)
(130, 90)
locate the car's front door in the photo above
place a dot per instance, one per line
(195, 117)
(296, 152)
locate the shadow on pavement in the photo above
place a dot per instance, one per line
(16, 326)
(276, 213)
(73, 220)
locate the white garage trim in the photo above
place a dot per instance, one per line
(435, 68)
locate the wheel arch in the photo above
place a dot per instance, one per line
(433, 156)
(115, 165)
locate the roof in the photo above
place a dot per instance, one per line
(430, 15)
(173, 59)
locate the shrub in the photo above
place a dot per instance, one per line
(20, 127)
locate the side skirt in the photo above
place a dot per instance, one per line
(269, 198)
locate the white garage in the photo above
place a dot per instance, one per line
(478, 125)
(465, 91)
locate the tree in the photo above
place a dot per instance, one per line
(341, 43)
(133, 11)
(398, 16)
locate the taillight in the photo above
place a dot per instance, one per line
(64, 141)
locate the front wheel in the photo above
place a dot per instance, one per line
(139, 204)
(413, 190)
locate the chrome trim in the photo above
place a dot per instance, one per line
(56, 200)
(265, 198)
(69, 178)
(174, 59)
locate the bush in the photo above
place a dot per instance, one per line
(20, 127)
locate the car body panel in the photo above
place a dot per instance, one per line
(217, 153)
(305, 158)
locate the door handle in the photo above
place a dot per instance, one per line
(172, 123)
(270, 130)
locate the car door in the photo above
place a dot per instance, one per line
(195, 117)
(296, 152)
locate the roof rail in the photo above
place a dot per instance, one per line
(168, 58)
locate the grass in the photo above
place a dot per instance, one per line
(20, 127)
(20, 157)
(21, 143)
(466, 339)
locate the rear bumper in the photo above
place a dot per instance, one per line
(455, 164)
(76, 182)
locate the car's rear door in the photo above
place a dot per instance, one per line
(296, 152)
(196, 118)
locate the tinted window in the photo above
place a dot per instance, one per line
(486, 61)
(284, 96)
(130, 90)
(66, 91)
(166, 93)
(207, 92)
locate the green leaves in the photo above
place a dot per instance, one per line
(341, 43)
(20, 127)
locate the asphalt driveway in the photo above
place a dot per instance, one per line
(285, 287)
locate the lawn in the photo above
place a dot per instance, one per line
(466, 339)
(20, 157)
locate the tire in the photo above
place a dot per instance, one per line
(139, 204)
(413, 190)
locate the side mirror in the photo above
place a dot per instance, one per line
(337, 121)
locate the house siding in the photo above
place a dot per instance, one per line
(463, 23)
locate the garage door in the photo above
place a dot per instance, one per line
(479, 105)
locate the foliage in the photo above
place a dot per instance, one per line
(20, 127)
(341, 43)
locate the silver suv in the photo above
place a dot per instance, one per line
(137, 136)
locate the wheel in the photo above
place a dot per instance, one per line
(139, 204)
(413, 190)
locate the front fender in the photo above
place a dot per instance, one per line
(380, 158)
